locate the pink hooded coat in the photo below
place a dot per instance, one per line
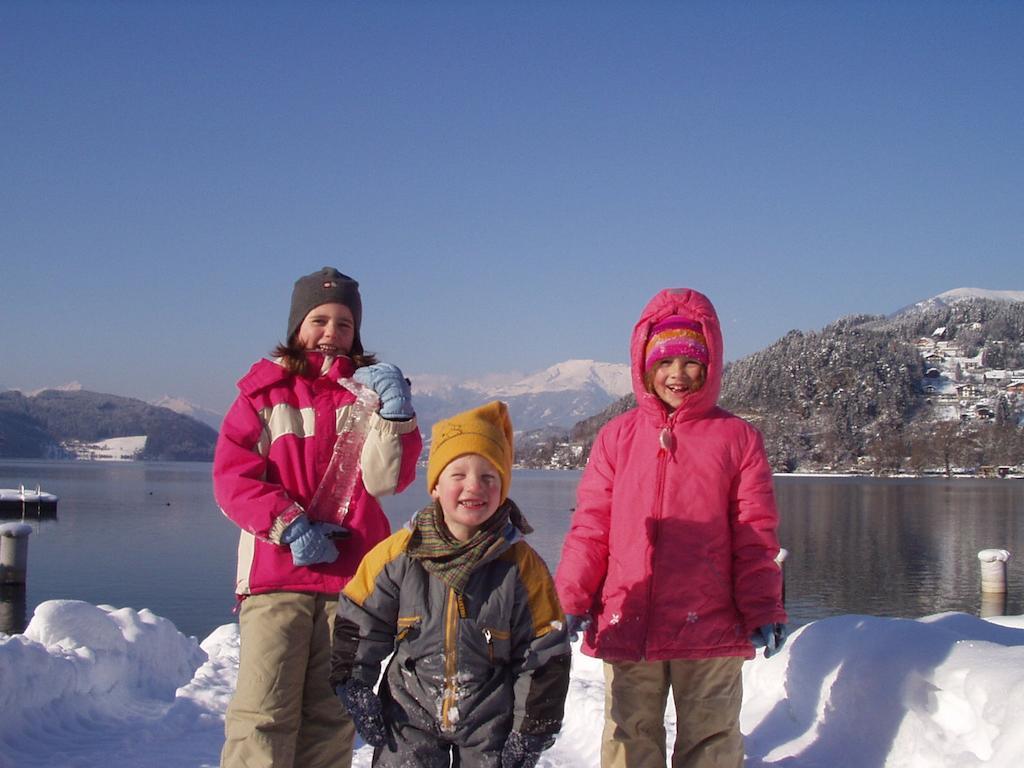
(275, 445)
(671, 549)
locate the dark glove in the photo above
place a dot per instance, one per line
(311, 542)
(391, 386)
(574, 624)
(365, 709)
(771, 636)
(522, 750)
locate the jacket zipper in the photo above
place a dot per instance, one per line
(666, 442)
(451, 626)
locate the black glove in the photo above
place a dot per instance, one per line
(771, 636)
(576, 624)
(365, 709)
(522, 750)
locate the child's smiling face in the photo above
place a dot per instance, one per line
(469, 492)
(328, 328)
(673, 378)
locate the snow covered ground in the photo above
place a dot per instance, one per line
(111, 449)
(96, 686)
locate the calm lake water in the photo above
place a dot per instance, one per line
(148, 535)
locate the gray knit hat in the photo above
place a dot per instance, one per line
(327, 286)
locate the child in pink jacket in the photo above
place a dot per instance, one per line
(669, 564)
(274, 449)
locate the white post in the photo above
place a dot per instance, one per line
(780, 560)
(993, 581)
(14, 552)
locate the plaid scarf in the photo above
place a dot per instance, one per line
(452, 560)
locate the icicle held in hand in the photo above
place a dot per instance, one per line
(334, 494)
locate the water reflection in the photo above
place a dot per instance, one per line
(13, 608)
(894, 547)
(856, 545)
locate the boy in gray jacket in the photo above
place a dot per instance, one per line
(481, 658)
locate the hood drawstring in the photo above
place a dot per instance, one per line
(667, 436)
(666, 439)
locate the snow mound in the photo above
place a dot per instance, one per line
(947, 690)
(97, 686)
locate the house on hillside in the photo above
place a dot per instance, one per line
(967, 391)
(995, 375)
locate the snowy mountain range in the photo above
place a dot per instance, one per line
(186, 408)
(555, 398)
(558, 396)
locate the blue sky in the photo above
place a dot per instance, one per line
(509, 182)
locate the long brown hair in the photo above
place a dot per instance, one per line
(293, 357)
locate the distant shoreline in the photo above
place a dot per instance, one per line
(804, 474)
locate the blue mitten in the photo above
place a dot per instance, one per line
(311, 542)
(391, 386)
(771, 636)
(522, 750)
(575, 624)
(365, 709)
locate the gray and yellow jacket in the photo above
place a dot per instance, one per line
(471, 666)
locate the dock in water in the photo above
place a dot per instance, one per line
(21, 502)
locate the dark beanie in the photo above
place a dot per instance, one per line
(327, 286)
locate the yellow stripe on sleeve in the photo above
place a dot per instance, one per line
(362, 584)
(540, 588)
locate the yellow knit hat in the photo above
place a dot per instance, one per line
(486, 430)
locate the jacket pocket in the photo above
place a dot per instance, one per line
(407, 624)
(499, 643)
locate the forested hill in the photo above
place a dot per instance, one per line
(824, 397)
(911, 392)
(40, 426)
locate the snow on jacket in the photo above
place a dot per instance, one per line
(671, 549)
(274, 447)
(465, 667)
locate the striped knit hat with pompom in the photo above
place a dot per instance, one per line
(676, 336)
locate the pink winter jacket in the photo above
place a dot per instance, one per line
(671, 550)
(274, 446)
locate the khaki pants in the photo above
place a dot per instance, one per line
(707, 694)
(284, 712)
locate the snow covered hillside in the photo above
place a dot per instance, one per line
(188, 408)
(962, 294)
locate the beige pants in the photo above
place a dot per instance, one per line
(707, 695)
(284, 713)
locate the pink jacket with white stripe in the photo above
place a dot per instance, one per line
(671, 549)
(275, 445)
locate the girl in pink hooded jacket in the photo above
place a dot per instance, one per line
(669, 564)
(275, 448)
